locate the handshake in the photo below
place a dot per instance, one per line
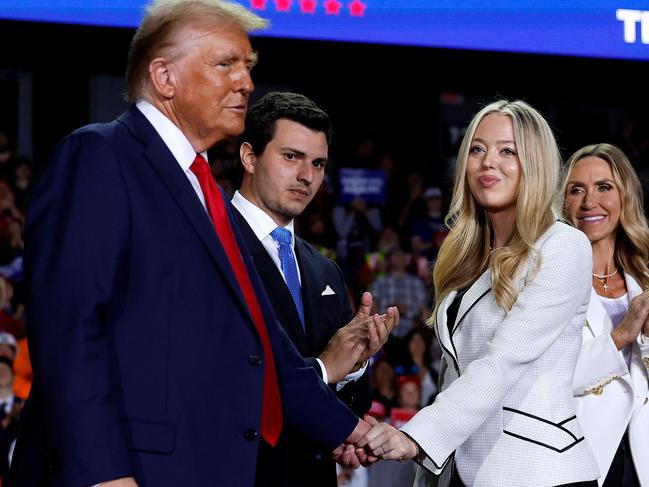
(346, 352)
(371, 441)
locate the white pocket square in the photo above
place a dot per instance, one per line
(327, 291)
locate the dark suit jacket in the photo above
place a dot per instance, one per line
(146, 361)
(309, 465)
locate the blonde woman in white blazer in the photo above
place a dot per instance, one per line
(603, 198)
(512, 287)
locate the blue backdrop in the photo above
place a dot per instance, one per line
(593, 28)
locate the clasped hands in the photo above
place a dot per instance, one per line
(371, 441)
(358, 340)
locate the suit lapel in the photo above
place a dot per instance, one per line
(274, 284)
(167, 168)
(441, 323)
(597, 319)
(638, 371)
(475, 293)
(310, 292)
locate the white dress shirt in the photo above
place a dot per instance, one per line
(262, 225)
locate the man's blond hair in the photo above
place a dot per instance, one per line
(165, 18)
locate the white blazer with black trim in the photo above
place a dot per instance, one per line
(506, 408)
(611, 396)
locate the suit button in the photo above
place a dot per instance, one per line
(254, 359)
(250, 434)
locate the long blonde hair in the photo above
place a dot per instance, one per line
(465, 253)
(632, 242)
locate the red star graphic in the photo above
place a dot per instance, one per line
(332, 7)
(258, 4)
(356, 8)
(308, 6)
(283, 5)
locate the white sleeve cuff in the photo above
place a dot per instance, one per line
(323, 369)
(353, 377)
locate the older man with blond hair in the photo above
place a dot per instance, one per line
(157, 358)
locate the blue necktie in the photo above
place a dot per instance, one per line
(289, 269)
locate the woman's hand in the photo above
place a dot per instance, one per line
(386, 442)
(635, 321)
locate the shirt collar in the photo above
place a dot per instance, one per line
(171, 135)
(260, 222)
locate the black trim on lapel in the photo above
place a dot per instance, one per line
(448, 352)
(275, 286)
(457, 322)
(167, 168)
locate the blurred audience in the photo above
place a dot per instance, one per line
(357, 226)
(419, 349)
(10, 407)
(402, 288)
(384, 389)
(427, 232)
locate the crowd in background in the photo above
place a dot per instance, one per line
(15, 369)
(387, 249)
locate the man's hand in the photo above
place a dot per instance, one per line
(123, 482)
(379, 331)
(365, 306)
(346, 455)
(358, 341)
(342, 353)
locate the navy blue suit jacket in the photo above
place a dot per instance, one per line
(146, 361)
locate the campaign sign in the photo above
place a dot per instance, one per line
(367, 184)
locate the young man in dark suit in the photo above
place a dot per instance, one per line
(284, 152)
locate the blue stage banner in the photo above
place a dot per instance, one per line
(589, 28)
(367, 184)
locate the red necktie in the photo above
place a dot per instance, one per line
(271, 416)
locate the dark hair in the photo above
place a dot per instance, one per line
(261, 118)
